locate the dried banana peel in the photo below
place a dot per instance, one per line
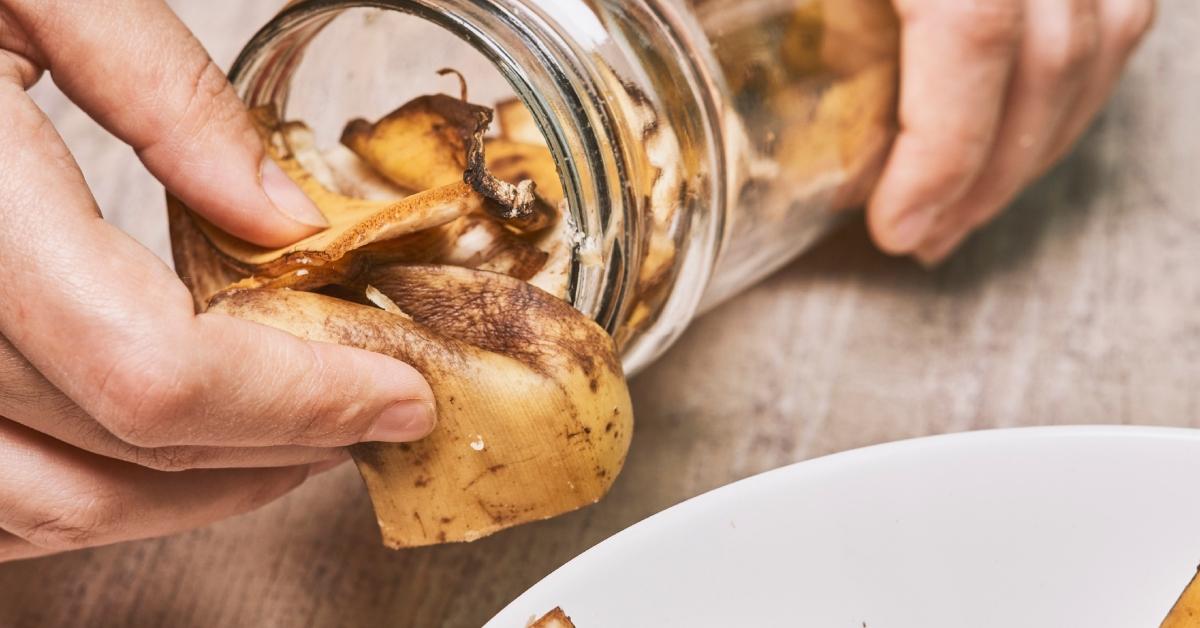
(419, 146)
(436, 141)
(554, 619)
(353, 222)
(534, 414)
(514, 161)
(337, 168)
(845, 129)
(1186, 611)
(517, 123)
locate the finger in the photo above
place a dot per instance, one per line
(956, 60)
(17, 58)
(58, 498)
(1122, 24)
(13, 547)
(109, 325)
(1057, 50)
(135, 68)
(28, 399)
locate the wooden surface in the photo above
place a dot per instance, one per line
(1081, 305)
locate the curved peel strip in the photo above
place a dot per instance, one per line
(534, 414)
(436, 140)
(421, 145)
(354, 177)
(337, 169)
(354, 223)
(535, 418)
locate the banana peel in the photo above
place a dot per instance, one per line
(556, 618)
(534, 416)
(534, 413)
(1186, 611)
(517, 123)
(514, 160)
(845, 128)
(354, 222)
(436, 140)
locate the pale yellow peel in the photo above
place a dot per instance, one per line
(419, 146)
(517, 123)
(514, 161)
(357, 224)
(534, 416)
(353, 222)
(534, 413)
(354, 177)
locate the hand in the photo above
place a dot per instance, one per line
(123, 414)
(992, 93)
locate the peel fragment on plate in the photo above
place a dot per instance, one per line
(534, 413)
(556, 618)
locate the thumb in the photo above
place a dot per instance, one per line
(135, 68)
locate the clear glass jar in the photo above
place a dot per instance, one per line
(701, 144)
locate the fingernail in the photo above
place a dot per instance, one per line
(288, 198)
(912, 227)
(403, 422)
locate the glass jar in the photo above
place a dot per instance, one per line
(701, 144)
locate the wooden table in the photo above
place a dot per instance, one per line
(1080, 305)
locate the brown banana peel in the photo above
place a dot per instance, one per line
(534, 413)
(437, 140)
(337, 169)
(354, 222)
(514, 161)
(517, 123)
(1186, 611)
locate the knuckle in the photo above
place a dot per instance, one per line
(85, 522)
(987, 24)
(209, 89)
(203, 102)
(1132, 21)
(169, 459)
(1062, 57)
(340, 427)
(143, 402)
(953, 170)
(329, 416)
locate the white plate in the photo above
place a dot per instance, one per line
(1055, 527)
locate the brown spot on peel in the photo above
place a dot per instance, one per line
(519, 364)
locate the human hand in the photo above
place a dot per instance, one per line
(123, 414)
(992, 93)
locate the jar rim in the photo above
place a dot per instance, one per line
(552, 76)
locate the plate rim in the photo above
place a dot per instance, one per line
(831, 461)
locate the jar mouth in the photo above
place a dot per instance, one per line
(540, 49)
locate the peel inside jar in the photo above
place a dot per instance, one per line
(534, 413)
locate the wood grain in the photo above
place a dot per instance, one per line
(1077, 306)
